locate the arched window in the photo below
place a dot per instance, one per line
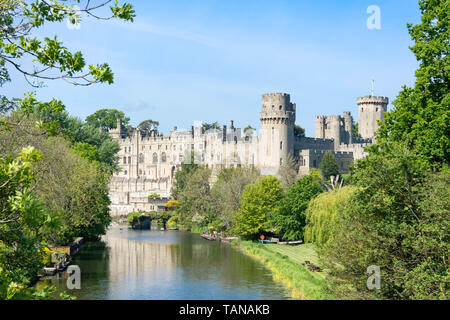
(141, 158)
(129, 160)
(155, 158)
(163, 157)
(124, 160)
(281, 107)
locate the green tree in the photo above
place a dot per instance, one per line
(299, 131)
(421, 114)
(288, 171)
(322, 213)
(148, 126)
(209, 126)
(106, 119)
(48, 58)
(258, 201)
(397, 220)
(289, 217)
(328, 166)
(227, 191)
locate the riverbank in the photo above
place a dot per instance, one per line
(286, 264)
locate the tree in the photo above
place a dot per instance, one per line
(106, 119)
(288, 171)
(355, 133)
(195, 207)
(289, 217)
(322, 213)
(258, 201)
(49, 59)
(210, 126)
(421, 114)
(328, 166)
(227, 191)
(397, 219)
(299, 131)
(148, 126)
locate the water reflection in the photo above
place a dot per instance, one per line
(131, 264)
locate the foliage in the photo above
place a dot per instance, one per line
(299, 131)
(289, 217)
(227, 192)
(397, 220)
(355, 131)
(154, 195)
(322, 212)
(210, 126)
(195, 200)
(182, 176)
(148, 126)
(133, 217)
(328, 166)
(288, 171)
(172, 204)
(421, 114)
(106, 119)
(48, 58)
(258, 200)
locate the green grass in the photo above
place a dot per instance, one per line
(285, 263)
(298, 254)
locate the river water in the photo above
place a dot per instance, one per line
(144, 264)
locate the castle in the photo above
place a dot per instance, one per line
(149, 161)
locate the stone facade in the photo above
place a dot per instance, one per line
(148, 162)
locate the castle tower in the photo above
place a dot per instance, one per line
(370, 110)
(348, 128)
(277, 130)
(116, 133)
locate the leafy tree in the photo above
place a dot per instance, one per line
(421, 114)
(195, 207)
(289, 217)
(299, 131)
(209, 126)
(355, 131)
(106, 119)
(49, 59)
(328, 166)
(258, 201)
(322, 212)
(148, 126)
(227, 192)
(288, 171)
(397, 220)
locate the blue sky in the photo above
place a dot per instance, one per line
(186, 61)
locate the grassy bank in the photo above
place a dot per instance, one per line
(285, 263)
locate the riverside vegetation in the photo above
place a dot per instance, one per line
(392, 211)
(54, 169)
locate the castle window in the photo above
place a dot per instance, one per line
(314, 164)
(281, 107)
(125, 172)
(155, 158)
(376, 110)
(129, 160)
(166, 147)
(141, 158)
(143, 147)
(140, 171)
(163, 157)
(273, 108)
(124, 160)
(281, 145)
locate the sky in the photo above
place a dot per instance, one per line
(187, 61)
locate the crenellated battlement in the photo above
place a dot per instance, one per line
(372, 100)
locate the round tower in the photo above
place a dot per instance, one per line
(277, 129)
(371, 109)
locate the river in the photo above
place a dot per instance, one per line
(135, 264)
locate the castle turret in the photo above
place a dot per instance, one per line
(371, 109)
(116, 133)
(277, 129)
